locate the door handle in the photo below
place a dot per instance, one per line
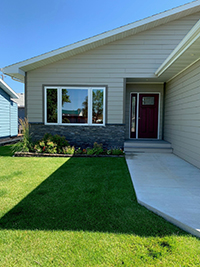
(138, 118)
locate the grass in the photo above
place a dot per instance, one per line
(82, 212)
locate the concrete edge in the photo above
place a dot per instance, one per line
(170, 219)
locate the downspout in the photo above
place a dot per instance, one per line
(163, 113)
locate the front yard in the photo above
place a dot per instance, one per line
(82, 212)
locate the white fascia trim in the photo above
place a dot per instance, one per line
(7, 89)
(187, 41)
(105, 35)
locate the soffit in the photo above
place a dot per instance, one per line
(183, 56)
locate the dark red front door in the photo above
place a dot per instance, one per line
(148, 116)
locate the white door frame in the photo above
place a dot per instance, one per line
(137, 112)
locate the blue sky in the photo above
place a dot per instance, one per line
(30, 28)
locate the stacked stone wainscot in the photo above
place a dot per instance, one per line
(111, 135)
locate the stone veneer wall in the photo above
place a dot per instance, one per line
(111, 135)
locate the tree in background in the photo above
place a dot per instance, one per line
(52, 106)
(97, 106)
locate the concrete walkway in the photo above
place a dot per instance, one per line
(168, 186)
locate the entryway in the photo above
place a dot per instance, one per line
(144, 115)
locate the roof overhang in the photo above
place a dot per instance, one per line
(7, 89)
(183, 56)
(17, 71)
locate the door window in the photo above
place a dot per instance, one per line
(148, 100)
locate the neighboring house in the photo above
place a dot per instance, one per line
(21, 110)
(139, 81)
(8, 111)
(20, 104)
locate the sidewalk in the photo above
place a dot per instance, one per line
(168, 186)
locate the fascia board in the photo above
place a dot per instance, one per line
(187, 41)
(13, 69)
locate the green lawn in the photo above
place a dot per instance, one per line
(82, 212)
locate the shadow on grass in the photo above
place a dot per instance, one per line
(6, 151)
(87, 194)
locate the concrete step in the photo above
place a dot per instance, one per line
(147, 150)
(155, 146)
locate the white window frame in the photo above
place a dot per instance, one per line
(59, 105)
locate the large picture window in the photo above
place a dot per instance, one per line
(75, 105)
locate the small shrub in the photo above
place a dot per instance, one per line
(60, 141)
(117, 151)
(51, 147)
(51, 144)
(79, 151)
(109, 151)
(97, 149)
(42, 144)
(84, 151)
(90, 151)
(68, 150)
(46, 147)
(47, 136)
(38, 149)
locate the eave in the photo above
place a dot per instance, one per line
(183, 56)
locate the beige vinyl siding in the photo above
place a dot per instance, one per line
(142, 88)
(182, 114)
(133, 57)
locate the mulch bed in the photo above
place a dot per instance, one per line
(32, 154)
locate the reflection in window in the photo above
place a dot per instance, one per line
(133, 115)
(52, 103)
(97, 106)
(74, 105)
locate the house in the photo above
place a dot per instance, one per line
(139, 81)
(21, 110)
(8, 111)
(21, 106)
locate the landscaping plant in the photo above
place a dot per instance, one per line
(25, 145)
(68, 150)
(51, 144)
(56, 144)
